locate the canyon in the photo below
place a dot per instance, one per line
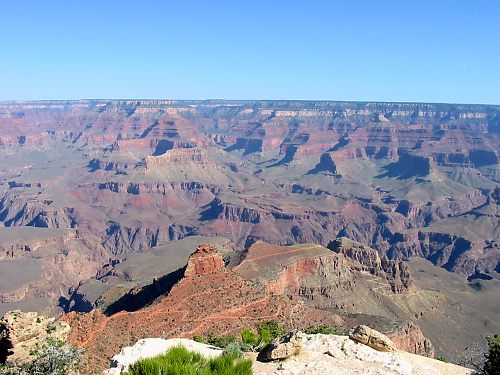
(358, 212)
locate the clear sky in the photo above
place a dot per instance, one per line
(400, 50)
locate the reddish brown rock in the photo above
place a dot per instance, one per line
(409, 337)
(206, 259)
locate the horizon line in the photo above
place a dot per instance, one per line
(13, 101)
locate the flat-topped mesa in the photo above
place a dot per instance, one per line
(205, 260)
(396, 272)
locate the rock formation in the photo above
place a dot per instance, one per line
(205, 260)
(409, 337)
(21, 332)
(284, 347)
(327, 354)
(372, 338)
(210, 298)
(89, 184)
(367, 259)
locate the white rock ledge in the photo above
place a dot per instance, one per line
(320, 355)
(147, 348)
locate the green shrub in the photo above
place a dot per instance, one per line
(234, 349)
(492, 364)
(54, 357)
(324, 329)
(268, 331)
(442, 359)
(249, 337)
(199, 338)
(50, 328)
(221, 341)
(180, 361)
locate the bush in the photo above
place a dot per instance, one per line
(234, 349)
(179, 360)
(54, 357)
(249, 337)
(270, 330)
(266, 332)
(199, 338)
(221, 341)
(492, 364)
(324, 329)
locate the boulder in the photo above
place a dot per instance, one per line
(284, 347)
(374, 339)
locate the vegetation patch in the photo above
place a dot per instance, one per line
(179, 360)
(323, 329)
(54, 357)
(492, 364)
(250, 340)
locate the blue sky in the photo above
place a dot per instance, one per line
(400, 50)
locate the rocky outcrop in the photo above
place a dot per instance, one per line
(397, 273)
(409, 337)
(372, 338)
(284, 347)
(313, 277)
(326, 165)
(328, 354)
(21, 332)
(206, 259)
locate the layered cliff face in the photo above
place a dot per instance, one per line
(409, 337)
(324, 278)
(395, 272)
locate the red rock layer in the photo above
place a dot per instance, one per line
(203, 261)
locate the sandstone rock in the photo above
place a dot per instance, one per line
(372, 338)
(206, 259)
(284, 347)
(20, 332)
(152, 347)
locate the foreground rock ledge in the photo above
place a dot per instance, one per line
(320, 355)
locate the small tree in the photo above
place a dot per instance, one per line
(55, 357)
(492, 364)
